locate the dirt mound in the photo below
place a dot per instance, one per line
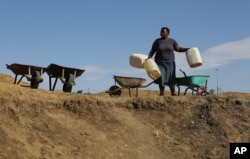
(41, 124)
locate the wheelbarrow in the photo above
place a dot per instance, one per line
(32, 73)
(196, 83)
(67, 76)
(127, 82)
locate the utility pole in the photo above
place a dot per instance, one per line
(217, 80)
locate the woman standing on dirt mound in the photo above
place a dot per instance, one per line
(164, 48)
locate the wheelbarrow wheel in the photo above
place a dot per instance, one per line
(69, 82)
(35, 80)
(114, 91)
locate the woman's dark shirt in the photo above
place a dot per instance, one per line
(165, 48)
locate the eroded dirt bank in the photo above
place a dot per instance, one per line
(39, 124)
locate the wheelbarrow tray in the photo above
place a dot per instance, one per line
(198, 80)
(192, 82)
(66, 74)
(21, 69)
(129, 82)
(55, 71)
(28, 71)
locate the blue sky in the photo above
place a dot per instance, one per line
(99, 37)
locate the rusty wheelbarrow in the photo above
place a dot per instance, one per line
(127, 82)
(66, 74)
(32, 73)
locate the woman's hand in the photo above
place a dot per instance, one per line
(149, 57)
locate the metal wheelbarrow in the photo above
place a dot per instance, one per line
(127, 82)
(32, 73)
(66, 74)
(197, 83)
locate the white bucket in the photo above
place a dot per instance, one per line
(152, 69)
(193, 57)
(137, 60)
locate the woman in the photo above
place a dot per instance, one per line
(164, 48)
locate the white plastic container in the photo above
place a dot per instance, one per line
(137, 60)
(193, 57)
(152, 69)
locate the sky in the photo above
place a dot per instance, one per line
(100, 36)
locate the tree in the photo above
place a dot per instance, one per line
(211, 91)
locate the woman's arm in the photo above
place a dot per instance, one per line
(180, 49)
(153, 50)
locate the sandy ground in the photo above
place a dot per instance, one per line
(42, 124)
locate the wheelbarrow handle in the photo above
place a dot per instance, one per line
(183, 72)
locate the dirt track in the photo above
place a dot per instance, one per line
(40, 124)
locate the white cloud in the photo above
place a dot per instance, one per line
(96, 69)
(94, 72)
(227, 53)
(220, 55)
(132, 72)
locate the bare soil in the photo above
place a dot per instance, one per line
(43, 124)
